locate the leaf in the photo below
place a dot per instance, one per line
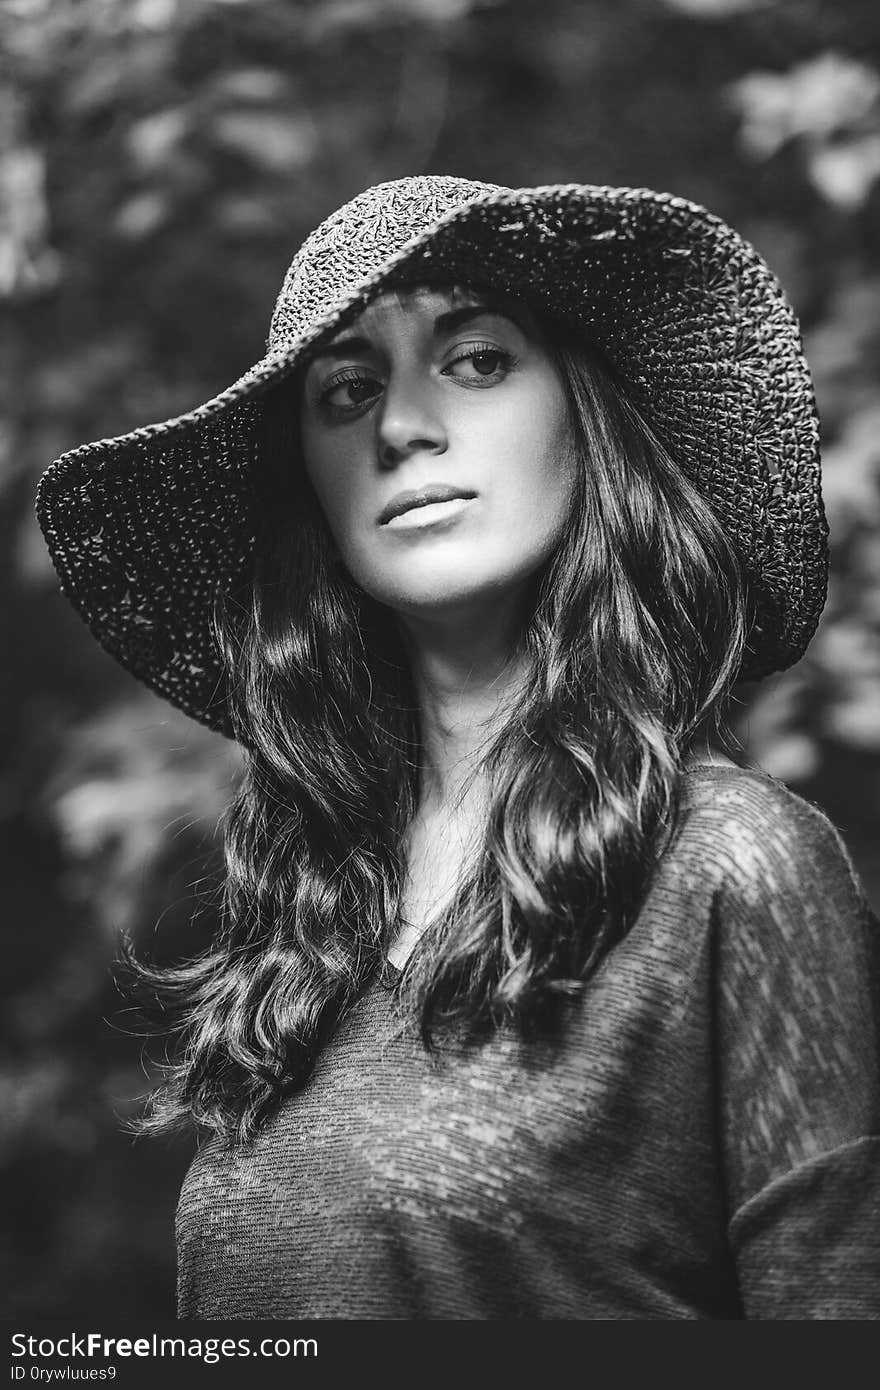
(156, 14)
(141, 216)
(816, 99)
(276, 143)
(28, 264)
(855, 718)
(845, 172)
(250, 84)
(717, 9)
(134, 778)
(851, 474)
(152, 139)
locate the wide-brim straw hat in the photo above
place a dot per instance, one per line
(146, 528)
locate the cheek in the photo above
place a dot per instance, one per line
(333, 488)
(541, 482)
(330, 500)
(341, 487)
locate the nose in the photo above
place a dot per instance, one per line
(409, 421)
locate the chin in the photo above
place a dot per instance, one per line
(451, 595)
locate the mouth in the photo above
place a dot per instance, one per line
(417, 498)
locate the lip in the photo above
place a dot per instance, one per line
(421, 497)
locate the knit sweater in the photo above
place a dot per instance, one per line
(700, 1141)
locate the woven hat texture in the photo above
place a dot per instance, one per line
(144, 529)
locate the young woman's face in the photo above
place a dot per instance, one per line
(436, 434)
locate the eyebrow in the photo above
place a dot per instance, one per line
(444, 323)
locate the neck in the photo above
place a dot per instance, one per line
(467, 675)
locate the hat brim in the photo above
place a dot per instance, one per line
(145, 528)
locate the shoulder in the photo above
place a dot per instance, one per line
(754, 834)
(785, 904)
(725, 792)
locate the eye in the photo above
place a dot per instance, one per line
(349, 391)
(481, 365)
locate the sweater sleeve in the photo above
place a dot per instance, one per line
(798, 1074)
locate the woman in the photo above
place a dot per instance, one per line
(526, 1004)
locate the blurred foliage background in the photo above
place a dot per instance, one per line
(160, 160)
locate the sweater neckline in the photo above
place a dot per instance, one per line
(389, 974)
(713, 769)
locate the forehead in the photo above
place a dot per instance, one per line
(427, 304)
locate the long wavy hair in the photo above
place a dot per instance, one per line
(637, 629)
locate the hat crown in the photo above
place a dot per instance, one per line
(356, 241)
